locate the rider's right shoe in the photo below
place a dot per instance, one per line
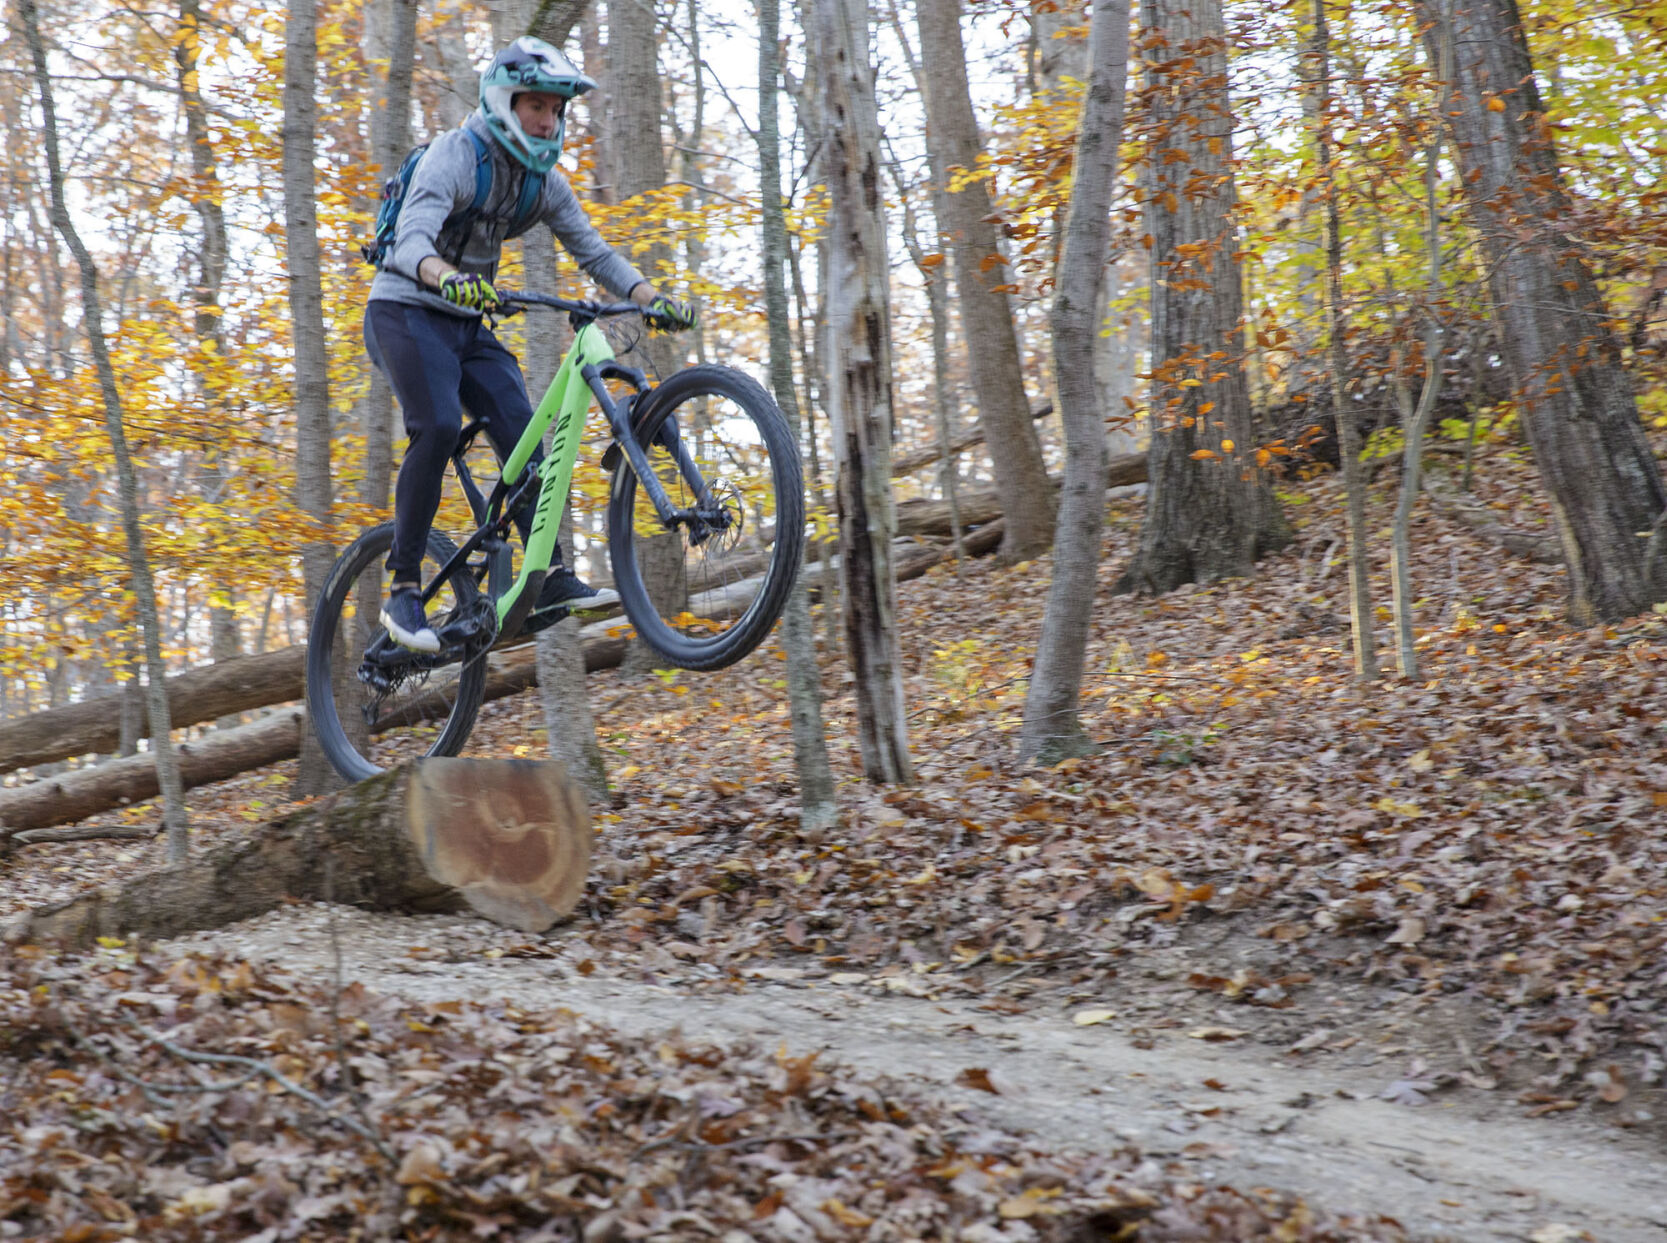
(406, 622)
(563, 589)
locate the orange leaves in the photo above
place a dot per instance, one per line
(1161, 887)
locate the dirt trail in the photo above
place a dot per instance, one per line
(1438, 1169)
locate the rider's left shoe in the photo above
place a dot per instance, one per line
(563, 589)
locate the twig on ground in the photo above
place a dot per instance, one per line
(82, 833)
(700, 1146)
(258, 1067)
(342, 1068)
(155, 1093)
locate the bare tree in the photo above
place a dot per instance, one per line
(636, 111)
(1051, 729)
(1210, 511)
(313, 490)
(859, 395)
(1416, 419)
(1561, 350)
(175, 819)
(980, 269)
(817, 806)
(1343, 412)
(390, 132)
(206, 195)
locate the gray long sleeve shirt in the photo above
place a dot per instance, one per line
(444, 185)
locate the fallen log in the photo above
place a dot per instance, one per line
(72, 796)
(249, 683)
(1472, 513)
(911, 460)
(509, 838)
(205, 693)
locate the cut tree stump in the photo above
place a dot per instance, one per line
(510, 839)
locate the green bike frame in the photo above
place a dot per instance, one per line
(566, 403)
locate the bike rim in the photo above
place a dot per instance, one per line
(393, 705)
(709, 580)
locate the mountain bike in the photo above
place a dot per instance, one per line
(705, 534)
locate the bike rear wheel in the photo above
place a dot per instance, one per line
(705, 593)
(372, 703)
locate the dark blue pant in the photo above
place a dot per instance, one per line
(437, 364)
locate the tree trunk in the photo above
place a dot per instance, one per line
(1415, 420)
(937, 304)
(390, 140)
(1211, 512)
(1051, 729)
(1563, 354)
(635, 115)
(860, 385)
(163, 761)
(569, 726)
(817, 806)
(224, 638)
(980, 275)
(553, 20)
(509, 838)
(1344, 414)
(459, 85)
(306, 310)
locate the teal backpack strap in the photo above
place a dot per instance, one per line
(483, 173)
(532, 191)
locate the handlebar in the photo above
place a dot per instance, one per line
(579, 308)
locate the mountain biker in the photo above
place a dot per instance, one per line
(427, 334)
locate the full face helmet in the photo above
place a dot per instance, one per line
(528, 64)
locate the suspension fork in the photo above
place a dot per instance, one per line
(619, 421)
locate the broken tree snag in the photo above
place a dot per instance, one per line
(509, 838)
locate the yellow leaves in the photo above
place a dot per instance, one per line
(1397, 808)
(1201, 455)
(1495, 104)
(1032, 1202)
(932, 261)
(846, 1216)
(1093, 1018)
(1227, 446)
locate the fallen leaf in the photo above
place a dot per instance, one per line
(1410, 931)
(1088, 1018)
(1216, 1033)
(977, 1077)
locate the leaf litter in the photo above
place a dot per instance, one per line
(384, 1118)
(1473, 860)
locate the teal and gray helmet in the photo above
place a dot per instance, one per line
(528, 64)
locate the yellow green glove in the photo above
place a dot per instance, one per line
(469, 290)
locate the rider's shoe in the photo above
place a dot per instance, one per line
(407, 624)
(563, 589)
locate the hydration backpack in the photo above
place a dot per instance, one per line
(459, 224)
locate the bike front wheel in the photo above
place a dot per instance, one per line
(704, 593)
(372, 703)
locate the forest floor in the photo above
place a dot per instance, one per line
(1393, 951)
